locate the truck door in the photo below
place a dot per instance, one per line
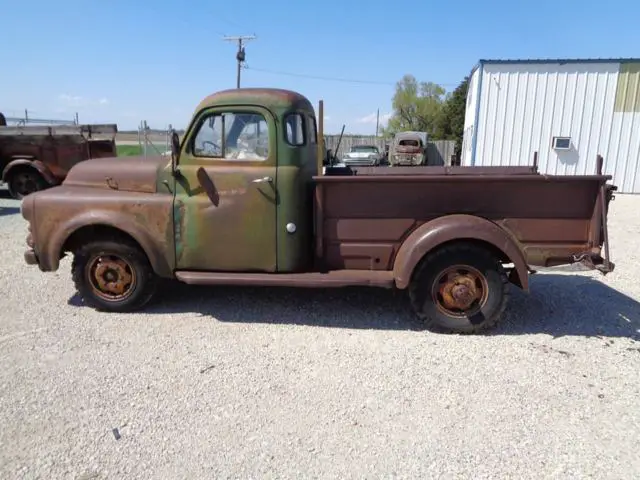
(225, 194)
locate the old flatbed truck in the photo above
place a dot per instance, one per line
(34, 157)
(252, 207)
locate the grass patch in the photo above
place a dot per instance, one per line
(128, 150)
(133, 150)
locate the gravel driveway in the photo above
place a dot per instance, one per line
(264, 383)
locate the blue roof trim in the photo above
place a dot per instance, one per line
(475, 67)
(560, 60)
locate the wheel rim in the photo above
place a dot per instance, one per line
(25, 183)
(111, 277)
(460, 291)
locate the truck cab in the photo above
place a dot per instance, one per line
(242, 184)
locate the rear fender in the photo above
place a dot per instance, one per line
(122, 222)
(449, 228)
(36, 164)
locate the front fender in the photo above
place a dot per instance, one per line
(457, 227)
(37, 164)
(50, 257)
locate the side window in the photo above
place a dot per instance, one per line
(313, 130)
(233, 136)
(294, 124)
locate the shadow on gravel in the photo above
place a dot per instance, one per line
(558, 305)
(10, 209)
(4, 211)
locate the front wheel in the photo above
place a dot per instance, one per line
(459, 288)
(113, 275)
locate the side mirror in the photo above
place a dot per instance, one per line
(175, 152)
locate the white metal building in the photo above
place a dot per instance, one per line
(569, 111)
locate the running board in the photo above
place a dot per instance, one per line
(335, 278)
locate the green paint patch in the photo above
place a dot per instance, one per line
(628, 88)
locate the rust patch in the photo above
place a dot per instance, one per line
(459, 288)
(132, 174)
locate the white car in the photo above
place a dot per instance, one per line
(362, 155)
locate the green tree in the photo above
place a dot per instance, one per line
(417, 106)
(451, 122)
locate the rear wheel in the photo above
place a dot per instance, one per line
(23, 181)
(113, 275)
(460, 288)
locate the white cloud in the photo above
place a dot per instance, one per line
(71, 100)
(371, 118)
(77, 101)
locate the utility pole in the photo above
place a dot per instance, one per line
(377, 121)
(240, 56)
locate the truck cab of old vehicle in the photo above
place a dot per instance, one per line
(243, 199)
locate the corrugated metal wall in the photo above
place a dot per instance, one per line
(624, 140)
(524, 105)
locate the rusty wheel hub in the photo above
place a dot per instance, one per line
(25, 183)
(460, 289)
(112, 278)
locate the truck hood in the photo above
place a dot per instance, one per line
(130, 174)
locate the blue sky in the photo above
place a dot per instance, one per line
(123, 62)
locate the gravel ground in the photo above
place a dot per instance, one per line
(248, 383)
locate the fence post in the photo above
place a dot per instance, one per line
(145, 133)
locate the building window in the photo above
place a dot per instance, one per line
(232, 136)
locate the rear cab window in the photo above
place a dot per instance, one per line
(295, 133)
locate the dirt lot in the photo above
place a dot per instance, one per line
(263, 383)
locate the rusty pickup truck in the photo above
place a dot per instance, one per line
(243, 200)
(34, 157)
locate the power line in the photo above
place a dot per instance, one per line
(240, 55)
(333, 79)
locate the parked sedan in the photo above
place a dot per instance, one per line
(362, 155)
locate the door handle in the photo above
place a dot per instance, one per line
(263, 180)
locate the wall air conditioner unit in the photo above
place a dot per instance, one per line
(561, 143)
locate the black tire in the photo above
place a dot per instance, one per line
(481, 277)
(122, 261)
(24, 181)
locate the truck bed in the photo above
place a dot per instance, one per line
(429, 170)
(59, 130)
(362, 217)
